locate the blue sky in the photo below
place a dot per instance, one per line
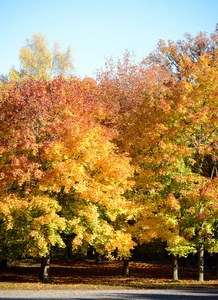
(96, 29)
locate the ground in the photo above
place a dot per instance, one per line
(89, 275)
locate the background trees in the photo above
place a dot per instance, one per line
(39, 62)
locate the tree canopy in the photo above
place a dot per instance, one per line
(56, 155)
(114, 160)
(40, 62)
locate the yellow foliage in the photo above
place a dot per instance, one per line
(38, 62)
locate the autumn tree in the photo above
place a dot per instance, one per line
(172, 138)
(124, 83)
(200, 124)
(187, 60)
(148, 103)
(39, 62)
(170, 55)
(56, 155)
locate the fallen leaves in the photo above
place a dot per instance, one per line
(86, 275)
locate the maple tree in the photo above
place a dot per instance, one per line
(123, 84)
(165, 109)
(41, 63)
(170, 56)
(56, 154)
(199, 127)
(172, 138)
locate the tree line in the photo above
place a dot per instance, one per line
(126, 158)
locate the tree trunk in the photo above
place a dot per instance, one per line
(175, 267)
(201, 262)
(201, 252)
(45, 265)
(125, 270)
(98, 258)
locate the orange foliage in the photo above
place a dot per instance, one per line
(53, 147)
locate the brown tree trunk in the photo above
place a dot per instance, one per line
(175, 267)
(45, 265)
(125, 270)
(98, 258)
(201, 262)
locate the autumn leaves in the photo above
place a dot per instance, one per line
(131, 156)
(60, 170)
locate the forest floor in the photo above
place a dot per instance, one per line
(87, 275)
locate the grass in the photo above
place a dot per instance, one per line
(86, 275)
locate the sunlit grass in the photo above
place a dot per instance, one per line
(113, 284)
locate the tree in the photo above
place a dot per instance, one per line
(200, 125)
(40, 63)
(170, 56)
(156, 165)
(172, 138)
(124, 84)
(56, 154)
(195, 60)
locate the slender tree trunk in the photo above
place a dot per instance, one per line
(175, 267)
(125, 270)
(98, 258)
(201, 262)
(201, 251)
(45, 265)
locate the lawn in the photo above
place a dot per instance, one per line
(84, 275)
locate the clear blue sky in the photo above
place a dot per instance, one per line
(96, 29)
